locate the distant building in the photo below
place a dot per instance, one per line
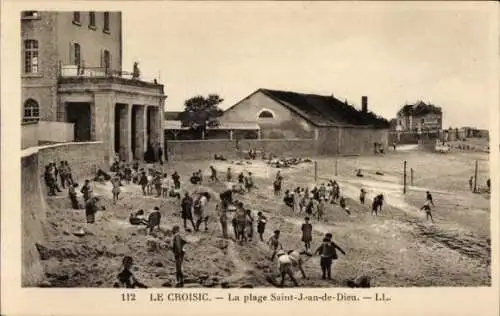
(335, 125)
(419, 118)
(72, 74)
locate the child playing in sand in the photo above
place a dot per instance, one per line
(362, 195)
(154, 219)
(115, 181)
(137, 218)
(86, 190)
(261, 225)
(328, 255)
(427, 209)
(274, 243)
(126, 278)
(343, 205)
(307, 234)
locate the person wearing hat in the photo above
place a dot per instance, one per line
(328, 253)
(126, 278)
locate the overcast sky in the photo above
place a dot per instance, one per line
(393, 53)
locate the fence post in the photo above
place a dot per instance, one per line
(315, 171)
(336, 167)
(475, 178)
(404, 177)
(411, 176)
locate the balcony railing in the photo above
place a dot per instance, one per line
(74, 71)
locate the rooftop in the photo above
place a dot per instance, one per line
(419, 108)
(325, 111)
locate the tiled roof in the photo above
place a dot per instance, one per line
(325, 111)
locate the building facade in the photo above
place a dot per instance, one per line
(72, 72)
(335, 126)
(419, 118)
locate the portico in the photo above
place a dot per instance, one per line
(124, 114)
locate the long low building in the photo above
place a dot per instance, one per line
(335, 126)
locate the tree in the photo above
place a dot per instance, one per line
(201, 112)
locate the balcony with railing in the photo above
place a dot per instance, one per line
(80, 73)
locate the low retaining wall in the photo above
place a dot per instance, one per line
(205, 149)
(83, 158)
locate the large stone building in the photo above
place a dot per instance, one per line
(336, 126)
(419, 118)
(72, 72)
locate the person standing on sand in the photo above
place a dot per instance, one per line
(91, 209)
(429, 198)
(377, 203)
(177, 180)
(229, 175)
(186, 210)
(274, 243)
(328, 255)
(213, 174)
(115, 181)
(296, 201)
(86, 190)
(427, 209)
(199, 207)
(178, 243)
(343, 205)
(126, 278)
(72, 196)
(143, 182)
(362, 196)
(154, 219)
(321, 208)
(249, 220)
(306, 234)
(261, 225)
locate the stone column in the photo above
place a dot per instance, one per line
(130, 155)
(103, 122)
(140, 128)
(125, 149)
(145, 129)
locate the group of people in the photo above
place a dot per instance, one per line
(58, 175)
(313, 201)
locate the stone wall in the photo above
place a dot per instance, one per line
(331, 141)
(33, 217)
(83, 158)
(350, 140)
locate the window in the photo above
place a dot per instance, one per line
(92, 19)
(76, 54)
(266, 114)
(30, 56)
(31, 111)
(106, 22)
(30, 15)
(76, 17)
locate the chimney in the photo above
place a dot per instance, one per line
(364, 104)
